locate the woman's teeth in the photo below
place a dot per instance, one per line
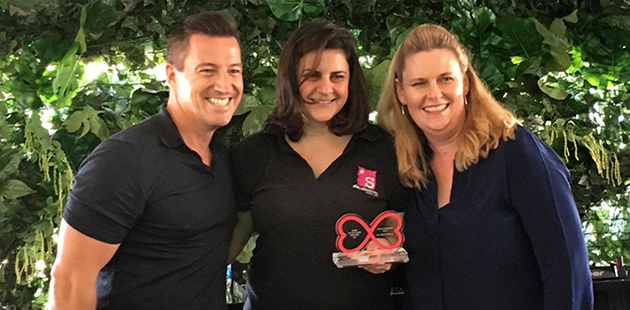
(436, 108)
(321, 101)
(218, 101)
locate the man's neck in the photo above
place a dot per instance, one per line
(195, 136)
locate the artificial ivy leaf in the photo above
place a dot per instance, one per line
(14, 189)
(90, 121)
(70, 56)
(256, 118)
(34, 126)
(483, 18)
(43, 226)
(99, 17)
(396, 24)
(9, 162)
(522, 36)
(558, 29)
(254, 33)
(553, 92)
(558, 45)
(491, 75)
(130, 22)
(620, 21)
(83, 15)
(571, 18)
(375, 78)
(259, 110)
(66, 78)
(99, 128)
(129, 4)
(267, 95)
(80, 38)
(48, 48)
(74, 121)
(248, 102)
(292, 10)
(529, 66)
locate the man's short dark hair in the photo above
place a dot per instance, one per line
(210, 23)
(316, 37)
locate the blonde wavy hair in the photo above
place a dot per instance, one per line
(487, 121)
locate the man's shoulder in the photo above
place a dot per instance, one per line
(129, 143)
(138, 134)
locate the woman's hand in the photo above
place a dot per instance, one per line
(377, 268)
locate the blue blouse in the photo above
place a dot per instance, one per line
(510, 238)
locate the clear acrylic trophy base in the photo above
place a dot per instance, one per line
(397, 255)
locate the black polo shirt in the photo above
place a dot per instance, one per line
(172, 215)
(295, 215)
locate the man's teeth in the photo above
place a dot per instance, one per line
(218, 101)
(436, 108)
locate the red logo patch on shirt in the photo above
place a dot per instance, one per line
(366, 178)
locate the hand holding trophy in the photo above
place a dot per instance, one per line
(361, 244)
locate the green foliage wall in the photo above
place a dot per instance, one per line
(563, 68)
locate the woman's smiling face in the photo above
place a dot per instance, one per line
(433, 90)
(324, 90)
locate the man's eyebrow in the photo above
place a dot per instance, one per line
(206, 64)
(211, 64)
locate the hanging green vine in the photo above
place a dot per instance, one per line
(607, 162)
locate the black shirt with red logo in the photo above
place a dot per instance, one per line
(295, 215)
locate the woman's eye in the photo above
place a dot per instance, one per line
(337, 77)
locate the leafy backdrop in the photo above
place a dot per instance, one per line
(74, 72)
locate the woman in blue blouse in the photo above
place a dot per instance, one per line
(493, 224)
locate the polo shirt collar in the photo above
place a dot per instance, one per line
(166, 128)
(371, 133)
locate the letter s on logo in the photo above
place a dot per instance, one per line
(370, 182)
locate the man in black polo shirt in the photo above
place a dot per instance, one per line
(149, 220)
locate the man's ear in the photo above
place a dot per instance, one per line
(399, 92)
(171, 77)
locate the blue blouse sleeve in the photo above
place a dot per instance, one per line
(538, 183)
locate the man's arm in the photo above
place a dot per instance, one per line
(242, 232)
(79, 260)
